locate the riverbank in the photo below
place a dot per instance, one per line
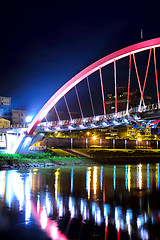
(62, 158)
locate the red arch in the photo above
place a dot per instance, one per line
(139, 47)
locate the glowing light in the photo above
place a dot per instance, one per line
(106, 210)
(2, 183)
(29, 119)
(118, 213)
(15, 190)
(140, 176)
(101, 178)
(157, 175)
(94, 137)
(61, 209)
(88, 133)
(81, 126)
(129, 177)
(88, 181)
(54, 233)
(72, 174)
(114, 178)
(43, 218)
(57, 184)
(73, 212)
(129, 216)
(93, 209)
(140, 221)
(139, 139)
(98, 216)
(126, 171)
(48, 204)
(38, 204)
(28, 188)
(148, 176)
(144, 234)
(71, 203)
(95, 179)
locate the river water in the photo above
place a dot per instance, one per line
(106, 202)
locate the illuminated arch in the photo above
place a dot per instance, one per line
(139, 47)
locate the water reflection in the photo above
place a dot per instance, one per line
(117, 196)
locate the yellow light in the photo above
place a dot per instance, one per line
(140, 176)
(95, 179)
(57, 184)
(139, 139)
(129, 177)
(88, 133)
(94, 138)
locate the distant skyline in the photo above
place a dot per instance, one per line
(43, 44)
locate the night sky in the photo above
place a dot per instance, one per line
(45, 43)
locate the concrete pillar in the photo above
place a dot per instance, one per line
(147, 143)
(100, 142)
(114, 143)
(125, 143)
(86, 143)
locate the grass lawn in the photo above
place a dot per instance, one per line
(110, 153)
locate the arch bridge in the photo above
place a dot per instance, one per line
(142, 116)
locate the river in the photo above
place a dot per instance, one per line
(107, 202)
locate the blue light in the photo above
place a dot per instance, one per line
(72, 174)
(137, 175)
(81, 126)
(126, 182)
(104, 124)
(114, 178)
(106, 210)
(101, 178)
(148, 176)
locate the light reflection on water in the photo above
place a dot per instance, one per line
(107, 195)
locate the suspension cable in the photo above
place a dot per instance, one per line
(155, 67)
(103, 99)
(67, 108)
(129, 78)
(90, 97)
(57, 113)
(79, 102)
(115, 85)
(138, 79)
(146, 75)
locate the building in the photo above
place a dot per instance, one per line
(134, 100)
(4, 123)
(5, 107)
(19, 116)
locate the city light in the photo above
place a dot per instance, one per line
(29, 119)
(94, 138)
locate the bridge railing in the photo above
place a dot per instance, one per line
(90, 120)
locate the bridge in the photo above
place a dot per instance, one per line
(142, 116)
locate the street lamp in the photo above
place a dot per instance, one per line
(94, 138)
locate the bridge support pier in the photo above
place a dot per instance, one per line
(20, 143)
